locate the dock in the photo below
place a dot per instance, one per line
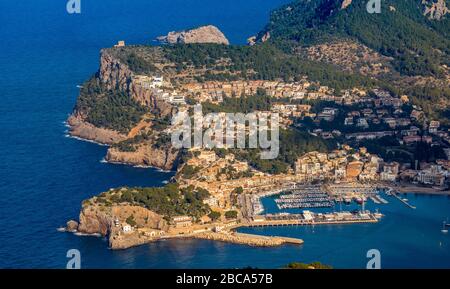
(300, 222)
(394, 194)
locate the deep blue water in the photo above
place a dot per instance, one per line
(44, 176)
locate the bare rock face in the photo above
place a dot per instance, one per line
(113, 73)
(146, 155)
(71, 226)
(435, 9)
(82, 129)
(346, 3)
(94, 220)
(204, 34)
(116, 75)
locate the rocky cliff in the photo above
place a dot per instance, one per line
(94, 220)
(82, 129)
(114, 75)
(109, 220)
(146, 155)
(204, 34)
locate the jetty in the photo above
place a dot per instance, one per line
(394, 194)
(248, 239)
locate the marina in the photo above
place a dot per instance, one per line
(327, 196)
(310, 197)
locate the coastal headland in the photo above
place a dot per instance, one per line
(345, 135)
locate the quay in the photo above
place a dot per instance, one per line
(310, 218)
(303, 223)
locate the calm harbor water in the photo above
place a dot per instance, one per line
(45, 175)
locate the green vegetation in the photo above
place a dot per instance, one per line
(111, 109)
(293, 143)
(189, 171)
(169, 200)
(139, 64)
(245, 104)
(433, 100)
(214, 216)
(238, 190)
(130, 145)
(263, 61)
(233, 174)
(390, 150)
(130, 221)
(417, 44)
(231, 214)
(234, 195)
(314, 265)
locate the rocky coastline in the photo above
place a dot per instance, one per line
(203, 34)
(82, 129)
(110, 220)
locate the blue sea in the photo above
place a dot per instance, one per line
(44, 175)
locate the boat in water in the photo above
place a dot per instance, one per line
(444, 230)
(359, 200)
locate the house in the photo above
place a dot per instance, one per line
(434, 175)
(211, 201)
(127, 228)
(177, 99)
(182, 221)
(158, 81)
(354, 169)
(348, 120)
(120, 43)
(390, 172)
(362, 122)
(434, 126)
(258, 218)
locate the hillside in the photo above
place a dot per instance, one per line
(409, 31)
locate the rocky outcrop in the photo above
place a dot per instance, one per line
(146, 155)
(345, 3)
(260, 38)
(108, 221)
(204, 34)
(72, 226)
(95, 220)
(435, 9)
(78, 127)
(113, 73)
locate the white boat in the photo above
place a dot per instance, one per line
(444, 230)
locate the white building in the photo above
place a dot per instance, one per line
(127, 228)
